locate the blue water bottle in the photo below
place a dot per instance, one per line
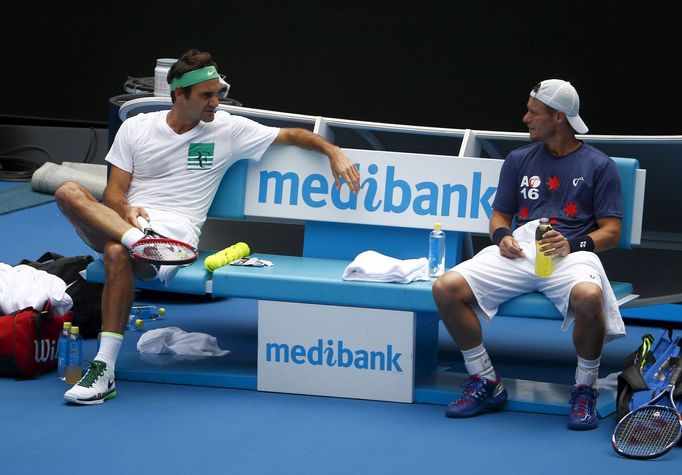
(74, 369)
(63, 350)
(436, 251)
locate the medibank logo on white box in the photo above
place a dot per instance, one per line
(336, 351)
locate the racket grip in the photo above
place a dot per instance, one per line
(227, 255)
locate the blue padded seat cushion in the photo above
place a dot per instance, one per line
(318, 280)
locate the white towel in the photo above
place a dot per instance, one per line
(173, 340)
(375, 267)
(615, 328)
(23, 286)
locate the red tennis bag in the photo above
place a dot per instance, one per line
(28, 342)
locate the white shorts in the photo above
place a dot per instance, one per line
(494, 279)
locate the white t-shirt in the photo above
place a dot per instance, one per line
(175, 177)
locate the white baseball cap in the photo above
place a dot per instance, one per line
(562, 96)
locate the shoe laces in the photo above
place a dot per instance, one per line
(95, 371)
(582, 400)
(475, 387)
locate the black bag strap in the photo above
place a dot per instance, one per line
(49, 256)
(45, 258)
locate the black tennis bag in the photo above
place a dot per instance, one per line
(647, 371)
(87, 296)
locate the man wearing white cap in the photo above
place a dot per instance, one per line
(578, 188)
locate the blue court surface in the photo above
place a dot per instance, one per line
(156, 428)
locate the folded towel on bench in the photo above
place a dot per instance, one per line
(375, 267)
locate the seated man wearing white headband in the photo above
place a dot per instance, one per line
(166, 167)
(578, 188)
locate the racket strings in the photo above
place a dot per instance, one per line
(162, 251)
(647, 432)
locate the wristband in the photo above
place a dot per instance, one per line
(499, 234)
(582, 243)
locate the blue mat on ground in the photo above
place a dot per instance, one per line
(14, 198)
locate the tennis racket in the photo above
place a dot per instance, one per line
(160, 250)
(652, 429)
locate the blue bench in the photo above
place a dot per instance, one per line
(315, 277)
(329, 247)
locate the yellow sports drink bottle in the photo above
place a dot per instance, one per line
(227, 255)
(543, 263)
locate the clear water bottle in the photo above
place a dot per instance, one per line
(74, 368)
(140, 313)
(134, 323)
(543, 263)
(147, 312)
(436, 251)
(63, 351)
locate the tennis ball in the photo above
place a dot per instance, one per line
(162, 311)
(212, 262)
(243, 249)
(139, 323)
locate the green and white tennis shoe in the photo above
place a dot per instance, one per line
(95, 387)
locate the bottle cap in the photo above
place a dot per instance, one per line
(67, 325)
(75, 330)
(437, 226)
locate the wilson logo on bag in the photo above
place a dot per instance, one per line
(28, 342)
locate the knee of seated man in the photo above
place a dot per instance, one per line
(586, 299)
(117, 259)
(116, 255)
(66, 192)
(449, 286)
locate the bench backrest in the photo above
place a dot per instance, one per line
(344, 241)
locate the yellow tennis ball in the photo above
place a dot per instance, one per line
(162, 311)
(243, 248)
(139, 323)
(212, 262)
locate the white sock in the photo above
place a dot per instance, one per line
(109, 346)
(587, 371)
(477, 361)
(131, 236)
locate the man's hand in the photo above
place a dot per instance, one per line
(553, 243)
(130, 214)
(343, 167)
(509, 248)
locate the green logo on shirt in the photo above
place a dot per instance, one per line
(200, 156)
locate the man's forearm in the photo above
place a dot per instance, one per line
(115, 200)
(305, 139)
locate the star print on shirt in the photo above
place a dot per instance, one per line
(553, 183)
(523, 213)
(571, 209)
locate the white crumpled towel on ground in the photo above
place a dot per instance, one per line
(175, 341)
